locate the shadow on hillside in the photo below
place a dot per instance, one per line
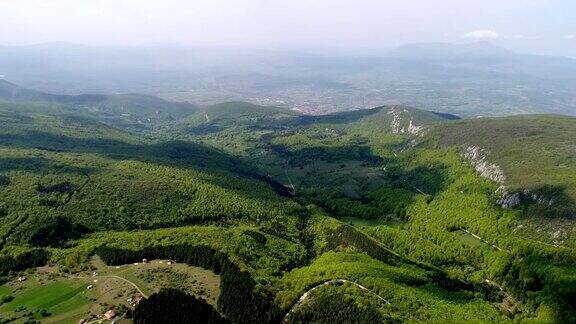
(175, 154)
(60, 143)
(204, 129)
(330, 154)
(12, 117)
(337, 118)
(548, 202)
(447, 115)
(429, 180)
(40, 164)
(456, 295)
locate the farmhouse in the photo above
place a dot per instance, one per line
(110, 314)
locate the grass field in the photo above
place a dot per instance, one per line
(67, 299)
(156, 274)
(469, 239)
(352, 178)
(63, 299)
(371, 222)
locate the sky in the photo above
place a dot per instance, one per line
(368, 26)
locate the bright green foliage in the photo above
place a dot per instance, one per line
(114, 181)
(536, 153)
(51, 300)
(426, 233)
(409, 291)
(264, 258)
(341, 304)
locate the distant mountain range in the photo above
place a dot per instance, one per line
(476, 79)
(121, 108)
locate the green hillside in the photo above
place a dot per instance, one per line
(537, 157)
(369, 216)
(243, 111)
(126, 110)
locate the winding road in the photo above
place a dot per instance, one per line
(115, 277)
(481, 239)
(125, 280)
(306, 295)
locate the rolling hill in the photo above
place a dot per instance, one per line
(135, 109)
(532, 157)
(297, 215)
(238, 113)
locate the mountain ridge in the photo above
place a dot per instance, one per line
(474, 79)
(136, 108)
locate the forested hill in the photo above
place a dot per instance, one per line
(234, 115)
(119, 109)
(379, 215)
(532, 158)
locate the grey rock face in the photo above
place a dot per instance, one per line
(398, 122)
(477, 158)
(486, 169)
(509, 200)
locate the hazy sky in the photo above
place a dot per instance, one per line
(543, 26)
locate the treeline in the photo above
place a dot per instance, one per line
(241, 299)
(22, 261)
(348, 236)
(64, 187)
(55, 232)
(175, 306)
(340, 206)
(332, 305)
(194, 255)
(4, 181)
(330, 154)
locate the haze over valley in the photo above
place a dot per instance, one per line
(469, 79)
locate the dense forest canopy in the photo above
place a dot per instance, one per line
(386, 214)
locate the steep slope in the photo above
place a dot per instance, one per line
(532, 157)
(378, 169)
(382, 221)
(385, 119)
(103, 178)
